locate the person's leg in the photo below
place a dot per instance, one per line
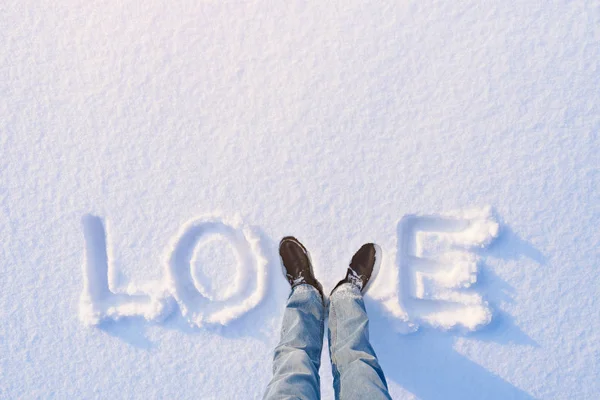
(356, 371)
(298, 355)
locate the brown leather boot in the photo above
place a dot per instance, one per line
(297, 266)
(363, 268)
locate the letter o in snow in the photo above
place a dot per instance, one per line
(249, 281)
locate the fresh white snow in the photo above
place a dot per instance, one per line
(141, 139)
(422, 287)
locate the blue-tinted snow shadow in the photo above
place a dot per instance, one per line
(426, 364)
(509, 246)
(130, 330)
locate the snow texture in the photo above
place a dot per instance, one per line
(245, 291)
(425, 288)
(153, 155)
(98, 303)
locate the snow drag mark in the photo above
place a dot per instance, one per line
(97, 302)
(248, 285)
(437, 266)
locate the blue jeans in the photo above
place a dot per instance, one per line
(356, 371)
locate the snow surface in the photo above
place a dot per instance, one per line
(139, 139)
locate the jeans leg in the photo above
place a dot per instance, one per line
(298, 354)
(356, 371)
